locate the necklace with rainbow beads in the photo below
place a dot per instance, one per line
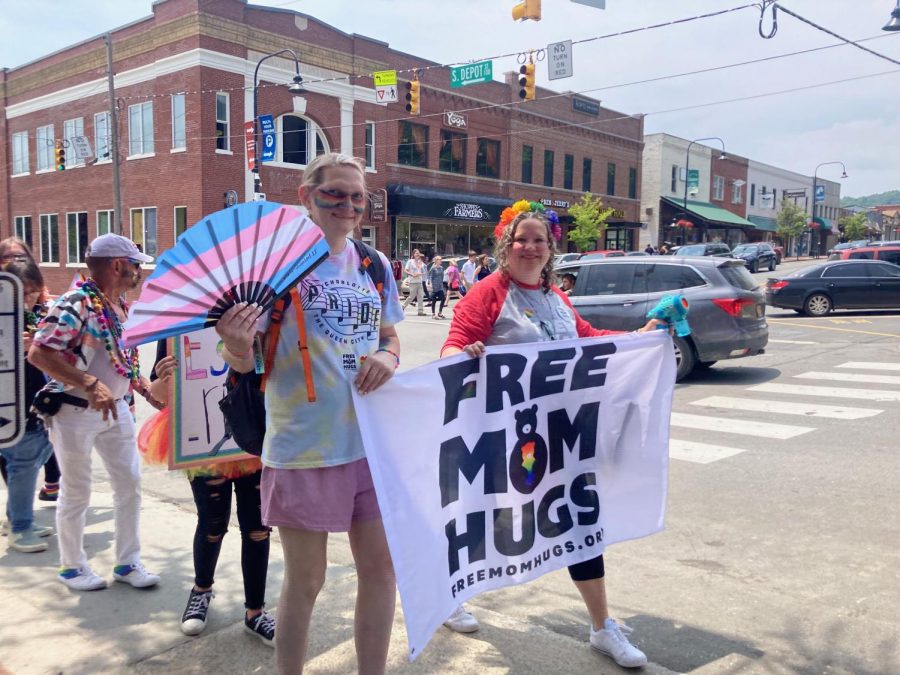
(125, 361)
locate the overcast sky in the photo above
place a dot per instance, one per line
(856, 120)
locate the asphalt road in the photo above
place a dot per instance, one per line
(780, 553)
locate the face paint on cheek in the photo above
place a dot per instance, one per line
(327, 204)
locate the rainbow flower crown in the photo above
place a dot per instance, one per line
(525, 206)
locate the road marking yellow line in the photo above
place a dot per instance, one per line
(839, 330)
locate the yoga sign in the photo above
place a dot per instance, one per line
(538, 456)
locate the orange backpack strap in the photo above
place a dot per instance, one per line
(303, 346)
(272, 339)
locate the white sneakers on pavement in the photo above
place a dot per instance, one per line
(136, 575)
(612, 641)
(461, 621)
(81, 579)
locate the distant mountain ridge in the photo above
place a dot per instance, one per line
(892, 197)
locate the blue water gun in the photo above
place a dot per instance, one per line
(673, 310)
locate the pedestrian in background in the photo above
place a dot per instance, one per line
(436, 282)
(415, 271)
(316, 478)
(452, 281)
(468, 270)
(483, 269)
(23, 460)
(649, 250)
(79, 345)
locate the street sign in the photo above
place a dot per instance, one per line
(251, 146)
(559, 64)
(82, 147)
(820, 194)
(794, 194)
(693, 181)
(12, 361)
(385, 86)
(471, 73)
(267, 130)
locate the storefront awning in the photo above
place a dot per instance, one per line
(712, 214)
(764, 224)
(823, 225)
(428, 202)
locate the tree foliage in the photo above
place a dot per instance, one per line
(855, 226)
(890, 197)
(589, 216)
(791, 220)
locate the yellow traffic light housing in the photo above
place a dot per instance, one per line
(412, 97)
(526, 82)
(528, 9)
(59, 154)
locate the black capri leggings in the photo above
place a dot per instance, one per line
(587, 570)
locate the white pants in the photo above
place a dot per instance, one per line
(74, 432)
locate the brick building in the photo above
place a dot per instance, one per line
(184, 91)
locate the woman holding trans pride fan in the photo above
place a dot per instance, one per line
(520, 303)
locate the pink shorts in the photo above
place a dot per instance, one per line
(329, 499)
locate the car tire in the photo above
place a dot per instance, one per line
(754, 267)
(817, 304)
(684, 358)
(772, 265)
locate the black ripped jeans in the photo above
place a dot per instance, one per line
(212, 495)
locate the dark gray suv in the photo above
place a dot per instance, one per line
(727, 308)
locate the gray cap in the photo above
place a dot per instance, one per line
(116, 246)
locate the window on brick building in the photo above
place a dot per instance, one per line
(527, 161)
(180, 220)
(487, 161)
(223, 139)
(413, 147)
(179, 138)
(71, 129)
(610, 178)
(105, 221)
(301, 140)
(44, 147)
(22, 225)
(586, 175)
(548, 168)
(102, 140)
(20, 152)
(49, 238)
(568, 170)
(143, 229)
(719, 188)
(76, 236)
(736, 196)
(140, 129)
(453, 152)
(632, 183)
(370, 145)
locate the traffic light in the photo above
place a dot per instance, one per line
(59, 153)
(526, 81)
(528, 9)
(412, 97)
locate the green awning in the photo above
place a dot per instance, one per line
(764, 224)
(710, 213)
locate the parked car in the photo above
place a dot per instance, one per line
(756, 256)
(889, 254)
(717, 248)
(636, 253)
(565, 257)
(837, 284)
(884, 243)
(847, 244)
(727, 307)
(599, 255)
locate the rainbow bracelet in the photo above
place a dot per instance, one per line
(392, 353)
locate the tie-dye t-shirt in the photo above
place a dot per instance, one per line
(342, 312)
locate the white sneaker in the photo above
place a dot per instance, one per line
(461, 621)
(44, 531)
(81, 579)
(135, 575)
(611, 641)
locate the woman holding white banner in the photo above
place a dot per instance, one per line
(522, 304)
(315, 477)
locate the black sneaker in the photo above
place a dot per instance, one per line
(262, 626)
(193, 621)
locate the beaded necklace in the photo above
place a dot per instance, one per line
(125, 361)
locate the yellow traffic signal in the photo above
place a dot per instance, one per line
(412, 97)
(526, 82)
(59, 154)
(528, 9)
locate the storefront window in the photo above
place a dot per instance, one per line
(527, 156)
(422, 237)
(487, 162)
(413, 147)
(453, 152)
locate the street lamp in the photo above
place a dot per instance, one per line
(815, 184)
(894, 23)
(296, 87)
(687, 171)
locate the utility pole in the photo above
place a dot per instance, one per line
(116, 225)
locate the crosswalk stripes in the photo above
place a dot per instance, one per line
(869, 365)
(700, 453)
(863, 378)
(787, 408)
(728, 425)
(827, 392)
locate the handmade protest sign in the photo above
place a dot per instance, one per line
(536, 456)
